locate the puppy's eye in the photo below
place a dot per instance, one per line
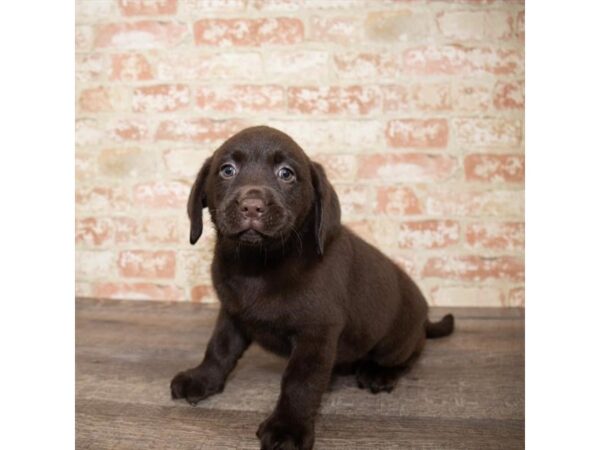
(286, 174)
(228, 171)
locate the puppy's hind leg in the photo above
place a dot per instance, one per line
(382, 374)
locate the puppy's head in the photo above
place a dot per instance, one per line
(261, 188)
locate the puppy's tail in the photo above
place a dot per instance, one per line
(440, 329)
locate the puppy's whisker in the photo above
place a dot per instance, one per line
(297, 235)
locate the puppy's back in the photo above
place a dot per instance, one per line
(380, 295)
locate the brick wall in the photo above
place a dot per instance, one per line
(415, 108)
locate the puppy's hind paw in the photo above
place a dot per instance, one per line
(377, 378)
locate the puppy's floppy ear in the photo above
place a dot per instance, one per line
(326, 208)
(197, 201)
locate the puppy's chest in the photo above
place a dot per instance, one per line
(252, 299)
(261, 312)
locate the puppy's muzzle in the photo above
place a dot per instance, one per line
(253, 214)
(252, 211)
(253, 203)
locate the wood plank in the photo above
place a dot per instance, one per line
(102, 424)
(466, 391)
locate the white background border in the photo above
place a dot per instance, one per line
(37, 225)
(562, 224)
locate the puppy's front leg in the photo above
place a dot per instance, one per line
(226, 346)
(291, 425)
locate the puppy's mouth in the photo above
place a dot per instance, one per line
(263, 229)
(256, 233)
(251, 236)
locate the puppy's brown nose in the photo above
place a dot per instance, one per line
(252, 208)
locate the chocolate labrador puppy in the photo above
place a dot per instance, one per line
(290, 277)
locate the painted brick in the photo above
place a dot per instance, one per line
(408, 264)
(520, 26)
(161, 194)
(88, 132)
(182, 66)
(194, 265)
(199, 7)
(297, 5)
(240, 98)
(352, 100)
(368, 66)
(140, 35)
(320, 135)
(93, 231)
(361, 227)
(83, 289)
(89, 67)
(95, 100)
(406, 167)
(340, 30)
(84, 38)
(516, 298)
(339, 167)
(248, 32)
(416, 97)
(298, 65)
(467, 296)
(397, 200)
(475, 268)
(103, 99)
(417, 133)
(475, 25)
(454, 202)
(153, 230)
(427, 234)
(101, 198)
(91, 264)
(153, 103)
(495, 168)
(471, 96)
(203, 293)
(87, 10)
(489, 2)
(146, 264)
(126, 130)
(277, 5)
(147, 7)
(122, 163)
(130, 67)
(197, 130)
(138, 291)
(161, 98)
(126, 230)
(184, 162)
(355, 200)
(460, 60)
(159, 230)
(85, 166)
(398, 26)
(497, 132)
(385, 234)
(509, 95)
(508, 236)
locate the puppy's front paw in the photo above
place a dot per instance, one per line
(276, 433)
(194, 386)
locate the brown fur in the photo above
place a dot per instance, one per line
(290, 277)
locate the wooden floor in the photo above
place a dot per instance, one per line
(466, 391)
